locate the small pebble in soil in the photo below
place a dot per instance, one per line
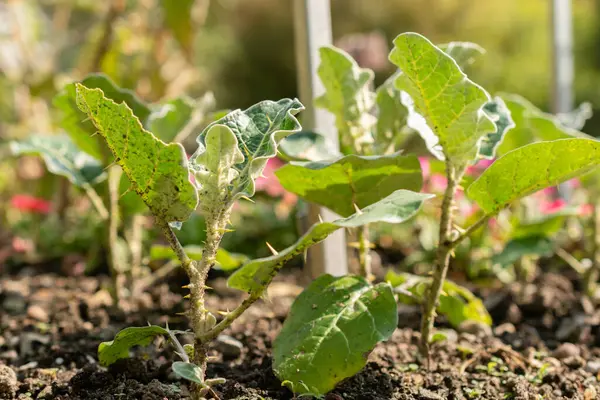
(12, 302)
(505, 328)
(38, 313)
(566, 350)
(229, 347)
(593, 366)
(8, 382)
(476, 328)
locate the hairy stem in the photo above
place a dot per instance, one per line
(134, 236)
(364, 249)
(96, 201)
(444, 251)
(114, 176)
(590, 278)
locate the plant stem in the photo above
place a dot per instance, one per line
(134, 236)
(230, 317)
(570, 260)
(114, 176)
(364, 248)
(444, 251)
(590, 278)
(476, 225)
(115, 9)
(96, 201)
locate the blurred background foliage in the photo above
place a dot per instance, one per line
(243, 52)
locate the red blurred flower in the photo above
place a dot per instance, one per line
(478, 167)
(425, 167)
(31, 204)
(552, 206)
(269, 183)
(586, 209)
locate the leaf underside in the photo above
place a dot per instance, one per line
(158, 171)
(401, 205)
(330, 330)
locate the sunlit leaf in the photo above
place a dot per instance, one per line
(464, 53)
(533, 167)
(167, 119)
(307, 146)
(158, 172)
(445, 107)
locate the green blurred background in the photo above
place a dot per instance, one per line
(242, 50)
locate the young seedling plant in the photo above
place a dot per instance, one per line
(454, 116)
(232, 153)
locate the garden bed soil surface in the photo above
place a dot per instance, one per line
(542, 347)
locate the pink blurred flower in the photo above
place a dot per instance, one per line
(31, 204)
(478, 167)
(270, 184)
(585, 210)
(437, 183)
(552, 206)
(425, 167)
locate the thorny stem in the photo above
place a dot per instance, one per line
(444, 251)
(476, 225)
(364, 248)
(590, 278)
(571, 261)
(96, 201)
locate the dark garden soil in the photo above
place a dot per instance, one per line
(546, 346)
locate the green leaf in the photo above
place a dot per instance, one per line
(548, 225)
(257, 130)
(532, 125)
(109, 352)
(158, 172)
(341, 183)
(391, 119)
(347, 96)
(444, 105)
(225, 260)
(497, 111)
(457, 303)
(307, 146)
(62, 157)
(169, 118)
(399, 206)
(464, 53)
(189, 371)
(330, 330)
(177, 15)
(521, 247)
(530, 168)
(216, 168)
(78, 127)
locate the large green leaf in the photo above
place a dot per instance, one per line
(330, 331)
(457, 303)
(307, 146)
(523, 246)
(257, 131)
(109, 352)
(81, 129)
(532, 125)
(340, 184)
(189, 371)
(62, 157)
(177, 15)
(169, 118)
(444, 105)
(158, 172)
(497, 111)
(464, 53)
(530, 168)
(399, 206)
(576, 118)
(348, 96)
(391, 117)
